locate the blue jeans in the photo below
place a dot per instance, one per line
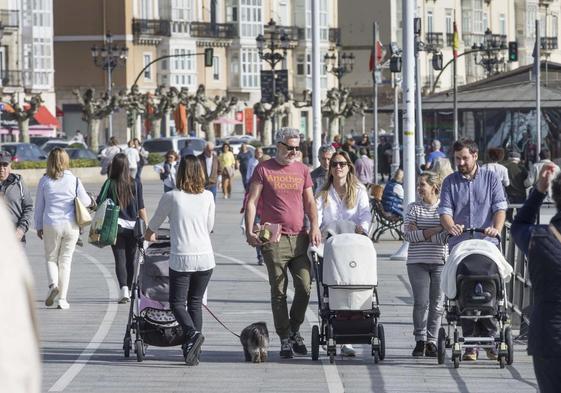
(188, 288)
(212, 188)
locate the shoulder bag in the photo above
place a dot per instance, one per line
(103, 231)
(83, 217)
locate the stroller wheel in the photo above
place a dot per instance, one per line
(456, 361)
(382, 339)
(502, 361)
(376, 356)
(139, 346)
(315, 342)
(510, 346)
(127, 345)
(331, 358)
(441, 345)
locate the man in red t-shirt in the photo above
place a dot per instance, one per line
(285, 187)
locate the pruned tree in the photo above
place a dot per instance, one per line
(93, 111)
(23, 114)
(205, 110)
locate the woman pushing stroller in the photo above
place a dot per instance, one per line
(343, 197)
(190, 210)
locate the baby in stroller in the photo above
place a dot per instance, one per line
(346, 273)
(473, 280)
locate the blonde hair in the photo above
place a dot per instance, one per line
(57, 163)
(398, 175)
(190, 175)
(442, 168)
(351, 185)
(433, 179)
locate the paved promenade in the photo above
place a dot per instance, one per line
(81, 347)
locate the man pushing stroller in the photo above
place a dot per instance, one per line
(472, 197)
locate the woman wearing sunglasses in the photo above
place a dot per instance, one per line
(343, 197)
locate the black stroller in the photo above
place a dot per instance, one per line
(150, 318)
(473, 281)
(347, 296)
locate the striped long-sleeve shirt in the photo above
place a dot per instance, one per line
(421, 250)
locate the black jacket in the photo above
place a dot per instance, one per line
(544, 263)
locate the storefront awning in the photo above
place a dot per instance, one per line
(45, 117)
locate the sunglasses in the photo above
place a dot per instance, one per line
(290, 148)
(342, 164)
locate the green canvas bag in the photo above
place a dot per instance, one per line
(103, 230)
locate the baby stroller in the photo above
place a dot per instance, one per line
(473, 280)
(347, 296)
(150, 318)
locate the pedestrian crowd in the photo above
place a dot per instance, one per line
(281, 190)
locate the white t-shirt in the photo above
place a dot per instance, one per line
(133, 157)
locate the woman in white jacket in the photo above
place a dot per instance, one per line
(56, 225)
(343, 197)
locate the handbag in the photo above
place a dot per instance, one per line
(83, 217)
(104, 227)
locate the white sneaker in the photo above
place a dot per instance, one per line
(63, 304)
(125, 295)
(51, 296)
(348, 350)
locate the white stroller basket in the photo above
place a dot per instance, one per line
(350, 272)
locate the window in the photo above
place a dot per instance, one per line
(284, 20)
(250, 66)
(148, 71)
(323, 20)
(554, 25)
(543, 25)
(502, 24)
(182, 67)
(478, 16)
(448, 22)
(251, 20)
(485, 22)
(181, 10)
(429, 22)
(146, 9)
(531, 21)
(215, 68)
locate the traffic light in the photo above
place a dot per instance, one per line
(512, 51)
(437, 61)
(209, 57)
(395, 64)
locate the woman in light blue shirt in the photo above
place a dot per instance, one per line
(56, 225)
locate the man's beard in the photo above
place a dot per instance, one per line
(465, 170)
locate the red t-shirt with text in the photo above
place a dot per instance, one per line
(282, 195)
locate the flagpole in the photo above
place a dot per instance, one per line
(375, 99)
(538, 91)
(455, 77)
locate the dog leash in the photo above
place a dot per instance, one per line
(220, 322)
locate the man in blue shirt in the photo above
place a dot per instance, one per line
(472, 197)
(435, 154)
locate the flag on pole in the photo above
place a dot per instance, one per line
(378, 51)
(455, 41)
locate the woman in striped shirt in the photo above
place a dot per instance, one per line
(427, 250)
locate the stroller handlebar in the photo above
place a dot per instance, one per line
(471, 231)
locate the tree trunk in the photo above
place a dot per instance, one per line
(156, 128)
(333, 128)
(93, 134)
(268, 131)
(209, 130)
(24, 130)
(138, 128)
(167, 133)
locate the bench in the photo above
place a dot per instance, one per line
(383, 221)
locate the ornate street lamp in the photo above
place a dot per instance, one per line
(339, 64)
(109, 56)
(490, 56)
(272, 48)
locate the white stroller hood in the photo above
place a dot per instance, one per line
(349, 260)
(463, 249)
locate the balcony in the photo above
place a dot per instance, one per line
(292, 32)
(335, 35)
(549, 43)
(213, 30)
(10, 78)
(435, 39)
(150, 31)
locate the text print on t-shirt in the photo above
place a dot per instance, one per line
(285, 182)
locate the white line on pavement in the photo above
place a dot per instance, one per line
(334, 384)
(99, 336)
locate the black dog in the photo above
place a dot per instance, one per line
(255, 342)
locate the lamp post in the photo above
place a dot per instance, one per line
(272, 48)
(339, 64)
(109, 56)
(490, 52)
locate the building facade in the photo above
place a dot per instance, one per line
(151, 29)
